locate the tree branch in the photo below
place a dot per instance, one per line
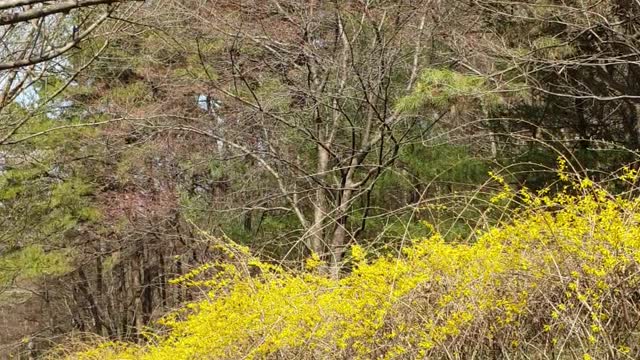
(34, 13)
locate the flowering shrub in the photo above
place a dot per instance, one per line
(561, 280)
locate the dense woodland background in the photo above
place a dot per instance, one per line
(133, 133)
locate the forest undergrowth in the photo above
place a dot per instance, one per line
(559, 280)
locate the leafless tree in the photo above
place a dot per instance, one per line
(38, 40)
(308, 93)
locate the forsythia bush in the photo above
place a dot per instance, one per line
(560, 281)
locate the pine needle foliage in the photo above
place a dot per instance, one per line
(442, 88)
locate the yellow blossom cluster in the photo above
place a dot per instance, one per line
(560, 280)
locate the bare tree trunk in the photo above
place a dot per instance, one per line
(123, 308)
(103, 297)
(86, 292)
(162, 278)
(338, 242)
(136, 287)
(316, 231)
